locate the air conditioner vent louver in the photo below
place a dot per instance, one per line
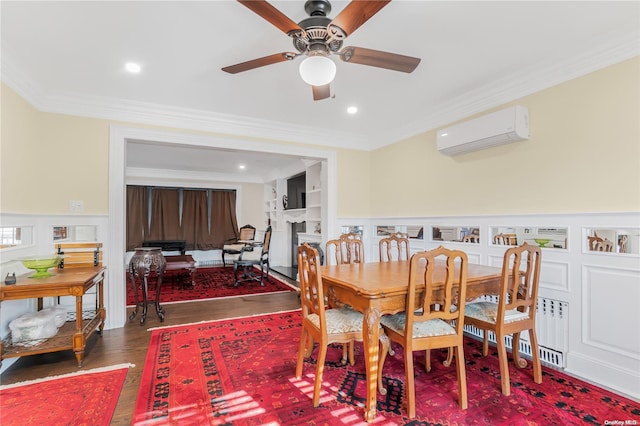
(498, 128)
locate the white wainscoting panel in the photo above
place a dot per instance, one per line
(554, 275)
(610, 310)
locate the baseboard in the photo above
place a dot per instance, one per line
(622, 381)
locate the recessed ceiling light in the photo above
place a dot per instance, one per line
(242, 167)
(132, 67)
(352, 110)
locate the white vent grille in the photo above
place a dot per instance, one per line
(552, 329)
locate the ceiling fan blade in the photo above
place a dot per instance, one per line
(260, 62)
(357, 13)
(271, 14)
(323, 92)
(378, 58)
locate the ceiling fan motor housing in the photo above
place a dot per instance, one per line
(315, 39)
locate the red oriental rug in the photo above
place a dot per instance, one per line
(210, 283)
(83, 398)
(241, 372)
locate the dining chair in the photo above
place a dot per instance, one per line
(348, 248)
(593, 241)
(514, 312)
(234, 246)
(511, 239)
(472, 238)
(505, 239)
(433, 319)
(255, 254)
(394, 247)
(604, 245)
(322, 324)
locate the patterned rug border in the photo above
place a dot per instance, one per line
(63, 376)
(222, 319)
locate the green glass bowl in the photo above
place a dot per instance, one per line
(41, 265)
(542, 242)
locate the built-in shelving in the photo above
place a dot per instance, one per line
(314, 200)
(313, 214)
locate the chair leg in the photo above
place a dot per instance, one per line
(261, 275)
(462, 376)
(345, 353)
(427, 360)
(266, 275)
(235, 274)
(352, 353)
(447, 362)
(385, 344)
(504, 365)
(309, 344)
(535, 355)
(515, 351)
(302, 353)
(411, 385)
(485, 342)
(322, 355)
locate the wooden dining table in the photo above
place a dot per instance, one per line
(377, 289)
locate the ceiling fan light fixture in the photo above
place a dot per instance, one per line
(317, 70)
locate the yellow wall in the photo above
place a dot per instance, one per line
(583, 155)
(354, 184)
(51, 159)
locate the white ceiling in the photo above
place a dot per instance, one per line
(69, 57)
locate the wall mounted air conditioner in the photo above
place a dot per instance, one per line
(498, 128)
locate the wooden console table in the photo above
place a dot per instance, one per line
(80, 324)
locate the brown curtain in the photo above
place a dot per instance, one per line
(195, 220)
(165, 215)
(224, 224)
(137, 216)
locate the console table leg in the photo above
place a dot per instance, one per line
(135, 296)
(159, 309)
(145, 292)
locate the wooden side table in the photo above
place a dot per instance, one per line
(80, 324)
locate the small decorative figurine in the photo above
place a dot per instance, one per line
(11, 279)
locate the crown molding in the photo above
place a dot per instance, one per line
(170, 177)
(123, 110)
(515, 87)
(478, 100)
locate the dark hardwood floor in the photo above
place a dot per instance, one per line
(129, 344)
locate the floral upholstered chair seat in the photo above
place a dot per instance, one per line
(488, 311)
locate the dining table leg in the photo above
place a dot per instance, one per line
(371, 337)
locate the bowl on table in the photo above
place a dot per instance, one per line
(542, 241)
(41, 264)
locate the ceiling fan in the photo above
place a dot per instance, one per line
(318, 36)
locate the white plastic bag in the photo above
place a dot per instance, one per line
(35, 327)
